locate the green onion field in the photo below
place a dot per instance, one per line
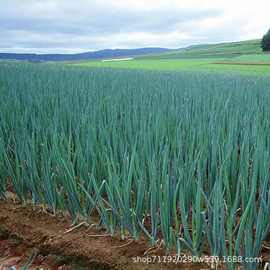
(178, 156)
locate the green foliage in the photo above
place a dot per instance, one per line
(179, 157)
(266, 41)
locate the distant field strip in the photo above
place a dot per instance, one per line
(243, 63)
(244, 57)
(221, 65)
(117, 59)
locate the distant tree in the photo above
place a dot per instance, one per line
(266, 42)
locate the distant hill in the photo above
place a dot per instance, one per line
(103, 54)
(221, 50)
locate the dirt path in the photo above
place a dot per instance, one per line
(41, 240)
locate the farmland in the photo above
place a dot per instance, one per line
(219, 65)
(238, 57)
(179, 159)
(220, 50)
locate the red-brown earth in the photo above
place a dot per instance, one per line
(34, 237)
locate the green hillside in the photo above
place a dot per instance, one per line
(244, 57)
(222, 50)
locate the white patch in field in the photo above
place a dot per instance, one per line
(117, 59)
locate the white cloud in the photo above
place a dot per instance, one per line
(82, 25)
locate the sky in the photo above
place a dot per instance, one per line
(73, 26)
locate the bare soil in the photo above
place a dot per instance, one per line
(42, 241)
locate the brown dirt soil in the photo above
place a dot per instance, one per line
(26, 234)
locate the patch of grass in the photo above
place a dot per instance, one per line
(252, 58)
(171, 64)
(180, 65)
(221, 50)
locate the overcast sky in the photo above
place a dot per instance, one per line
(68, 26)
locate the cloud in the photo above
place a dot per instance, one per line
(74, 26)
